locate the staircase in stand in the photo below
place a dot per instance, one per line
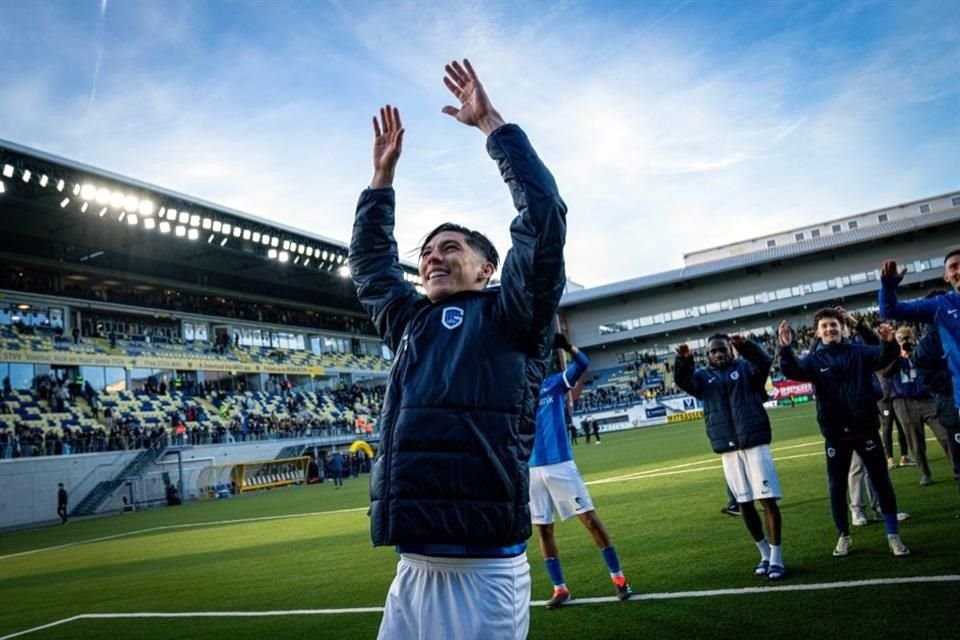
(94, 500)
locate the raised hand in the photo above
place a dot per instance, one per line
(683, 351)
(738, 342)
(785, 334)
(886, 332)
(890, 272)
(475, 108)
(387, 145)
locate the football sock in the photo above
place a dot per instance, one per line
(764, 548)
(613, 562)
(776, 555)
(890, 520)
(555, 572)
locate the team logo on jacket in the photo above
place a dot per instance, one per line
(831, 452)
(452, 317)
(735, 375)
(956, 438)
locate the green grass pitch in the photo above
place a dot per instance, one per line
(665, 522)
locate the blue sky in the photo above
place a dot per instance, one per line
(670, 125)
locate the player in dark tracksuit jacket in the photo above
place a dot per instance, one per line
(733, 390)
(842, 375)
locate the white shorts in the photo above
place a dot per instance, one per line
(557, 485)
(750, 474)
(458, 598)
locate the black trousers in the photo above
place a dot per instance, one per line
(839, 454)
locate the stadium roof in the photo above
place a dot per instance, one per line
(807, 247)
(58, 211)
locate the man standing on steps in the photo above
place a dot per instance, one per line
(449, 486)
(62, 503)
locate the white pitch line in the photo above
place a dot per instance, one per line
(188, 525)
(643, 475)
(708, 593)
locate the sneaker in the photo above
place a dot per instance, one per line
(623, 588)
(559, 597)
(732, 509)
(859, 519)
(925, 480)
(897, 547)
(891, 463)
(905, 461)
(843, 547)
(776, 572)
(762, 568)
(902, 515)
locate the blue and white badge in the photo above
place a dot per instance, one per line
(452, 317)
(735, 375)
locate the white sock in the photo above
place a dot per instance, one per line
(776, 554)
(764, 548)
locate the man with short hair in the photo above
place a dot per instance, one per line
(555, 481)
(842, 376)
(733, 390)
(449, 486)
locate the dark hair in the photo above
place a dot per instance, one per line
(477, 241)
(827, 312)
(718, 336)
(954, 252)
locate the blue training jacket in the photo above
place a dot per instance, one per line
(943, 312)
(552, 444)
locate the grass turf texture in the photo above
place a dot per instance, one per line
(667, 528)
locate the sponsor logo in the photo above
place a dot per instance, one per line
(689, 403)
(831, 452)
(871, 445)
(711, 380)
(735, 375)
(952, 313)
(824, 369)
(731, 444)
(956, 438)
(452, 317)
(579, 501)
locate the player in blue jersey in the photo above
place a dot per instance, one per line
(555, 480)
(941, 311)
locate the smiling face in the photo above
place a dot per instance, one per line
(829, 330)
(448, 265)
(951, 272)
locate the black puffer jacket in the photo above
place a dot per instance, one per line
(842, 377)
(732, 396)
(459, 414)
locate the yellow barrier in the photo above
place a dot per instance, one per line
(685, 416)
(360, 444)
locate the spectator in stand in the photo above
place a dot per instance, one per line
(62, 503)
(336, 469)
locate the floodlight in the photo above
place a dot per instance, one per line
(123, 214)
(194, 220)
(286, 245)
(210, 239)
(132, 219)
(246, 234)
(266, 240)
(116, 199)
(8, 170)
(2, 187)
(149, 223)
(237, 231)
(64, 202)
(103, 212)
(184, 217)
(88, 191)
(284, 256)
(180, 231)
(306, 262)
(146, 208)
(131, 203)
(162, 212)
(44, 179)
(171, 214)
(256, 236)
(193, 234)
(224, 241)
(226, 228)
(164, 227)
(76, 189)
(344, 271)
(26, 175)
(217, 225)
(274, 241)
(207, 223)
(103, 196)
(310, 252)
(324, 255)
(60, 185)
(272, 253)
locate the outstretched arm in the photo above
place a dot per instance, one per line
(791, 366)
(759, 361)
(374, 263)
(684, 372)
(579, 361)
(533, 276)
(917, 310)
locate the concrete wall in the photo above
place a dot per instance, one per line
(28, 486)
